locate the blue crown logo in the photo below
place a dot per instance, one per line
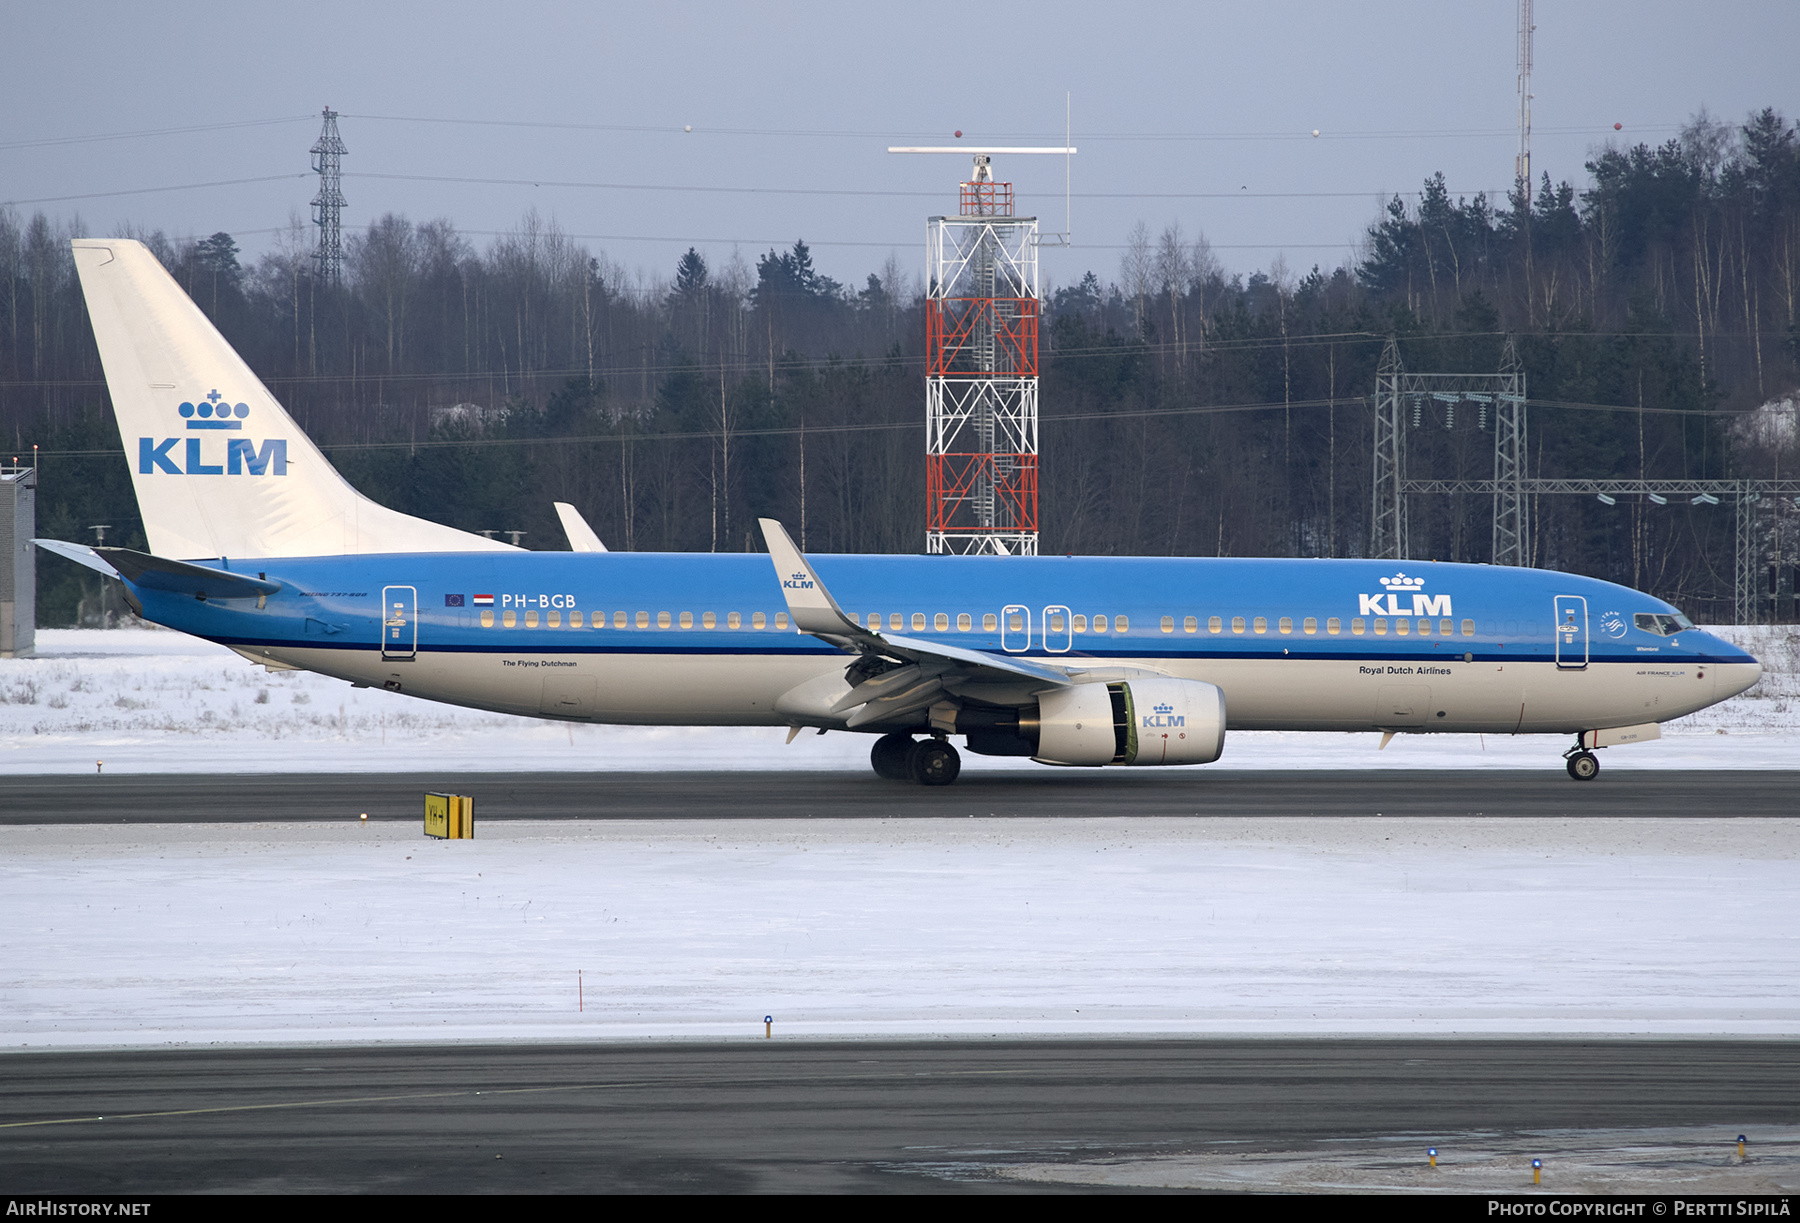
(212, 412)
(1165, 709)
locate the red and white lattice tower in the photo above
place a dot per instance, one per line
(981, 369)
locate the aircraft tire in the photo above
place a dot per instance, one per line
(933, 762)
(889, 756)
(1584, 766)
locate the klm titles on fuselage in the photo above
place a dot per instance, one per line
(211, 414)
(1400, 586)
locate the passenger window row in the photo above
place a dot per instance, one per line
(1056, 622)
(554, 619)
(1402, 626)
(895, 621)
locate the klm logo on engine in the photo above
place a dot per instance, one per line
(798, 581)
(1164, 716)
(1402, 587)
(212, 413)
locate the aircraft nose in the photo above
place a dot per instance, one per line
(1735, 677)
(1737, 671)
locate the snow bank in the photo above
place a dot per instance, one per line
(143, 934)
(157, 701)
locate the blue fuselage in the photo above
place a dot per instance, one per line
(1063, 609)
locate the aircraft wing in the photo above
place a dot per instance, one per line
(918, 673)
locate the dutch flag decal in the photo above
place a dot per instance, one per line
(484, 600)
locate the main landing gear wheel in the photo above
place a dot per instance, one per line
(889, 757)
(933, 762)
(1584, 766)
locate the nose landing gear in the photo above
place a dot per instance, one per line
(1583, 764)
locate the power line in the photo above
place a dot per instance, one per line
(1341, 401)
(40, 142)
(100, 195)
(784, 365)
(1089, 246)
(879, 193)
(690, 240)
(700, 189)
(682, 129)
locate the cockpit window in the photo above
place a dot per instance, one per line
(1662, 625)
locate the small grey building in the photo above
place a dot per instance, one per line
(18, 561)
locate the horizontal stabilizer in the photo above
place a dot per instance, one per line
(81, 554)
(180, 577)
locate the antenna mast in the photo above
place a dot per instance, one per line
(1522, 163)
(328, 205)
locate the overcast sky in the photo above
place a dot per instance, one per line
(1196, 113)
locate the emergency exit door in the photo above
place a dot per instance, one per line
(1571, 633)
(1015, 628)
(399, 623)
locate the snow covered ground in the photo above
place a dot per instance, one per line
(1686, 1160)
(156, 701)
(1093, 927)
(1088, 927)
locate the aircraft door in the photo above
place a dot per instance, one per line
(1571, 629)
(1015, 628)
(399, 623)
(1059, 632)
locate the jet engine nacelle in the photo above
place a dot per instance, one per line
(1139, 721)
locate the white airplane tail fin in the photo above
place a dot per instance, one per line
(220, 469)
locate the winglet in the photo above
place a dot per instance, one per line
(581, 536)
(809, 603)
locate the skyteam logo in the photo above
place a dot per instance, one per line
(1164, 716)
(212, 413)
(798, 581)
(1402, 587)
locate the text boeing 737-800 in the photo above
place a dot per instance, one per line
(255, 542)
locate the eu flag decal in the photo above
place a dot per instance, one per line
(453, 600)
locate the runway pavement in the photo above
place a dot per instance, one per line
(229, 797)
(779, 1116)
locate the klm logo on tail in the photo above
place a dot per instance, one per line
(1400, 586)
(241, 456)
